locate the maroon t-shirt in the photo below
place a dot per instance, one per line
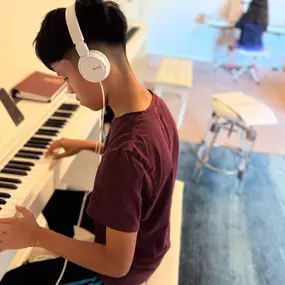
(134, 185)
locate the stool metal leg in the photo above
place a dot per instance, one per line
(249, 138)
(219, 63)
(204, 150)
(253, 74)
(184, 102)
(239, 73)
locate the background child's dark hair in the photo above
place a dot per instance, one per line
(257, 13)
(100, 22)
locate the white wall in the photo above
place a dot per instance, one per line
(174, 32)
(17, 32)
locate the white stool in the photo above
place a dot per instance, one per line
(168, 270)
(175, 75)
(250, 58)
(233, 112)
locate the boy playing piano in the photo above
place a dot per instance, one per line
(131, 201)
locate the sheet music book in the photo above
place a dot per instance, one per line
(39, 86)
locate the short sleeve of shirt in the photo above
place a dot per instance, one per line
(116, 199)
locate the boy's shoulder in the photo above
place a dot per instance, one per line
(148, 128)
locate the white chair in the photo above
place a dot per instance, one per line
(248, 63)
(175, 76)
(233, 112)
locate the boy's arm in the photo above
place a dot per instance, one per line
(116, 204)
(93, 146)
(72, 146)
(113, 259)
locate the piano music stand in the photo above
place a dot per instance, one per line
(12, 109)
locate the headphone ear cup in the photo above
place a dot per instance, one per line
(94, 67)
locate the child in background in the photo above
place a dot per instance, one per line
(253, 24)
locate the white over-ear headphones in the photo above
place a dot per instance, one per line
(93, 65)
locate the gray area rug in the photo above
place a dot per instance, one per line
(230, 239)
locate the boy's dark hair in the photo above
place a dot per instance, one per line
(100, 22)
(257, 13)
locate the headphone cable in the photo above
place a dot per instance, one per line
(97, 150)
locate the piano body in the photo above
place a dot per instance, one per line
(29, 179)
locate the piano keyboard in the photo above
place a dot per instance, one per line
(21, 173)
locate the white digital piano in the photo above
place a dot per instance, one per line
(27, 177)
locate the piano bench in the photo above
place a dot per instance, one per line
(175, 76)
(233, 113)
(168, 271)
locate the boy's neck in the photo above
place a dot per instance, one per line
(128, 95)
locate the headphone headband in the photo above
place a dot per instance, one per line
(75, 31)
(93, 65)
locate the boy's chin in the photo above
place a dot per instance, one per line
(95, 108)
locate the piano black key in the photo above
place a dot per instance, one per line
(18, 166)
(57, 121)
(2, 202)
(40, 140)
(28, 163)
(36, 145)
(31, 152)
(53, 125)
(44, 132)
(26, 155)
(61, 114)
(7, 186)
(32, 140)
(11, 180)
(68, 107)
(4, 195)
(14, 171)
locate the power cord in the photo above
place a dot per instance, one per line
(97, 150)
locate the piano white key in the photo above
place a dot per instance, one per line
(10, 205)
(23, 190)
(18, 198)
(7, 213)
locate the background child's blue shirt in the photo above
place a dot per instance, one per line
(251, 36)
